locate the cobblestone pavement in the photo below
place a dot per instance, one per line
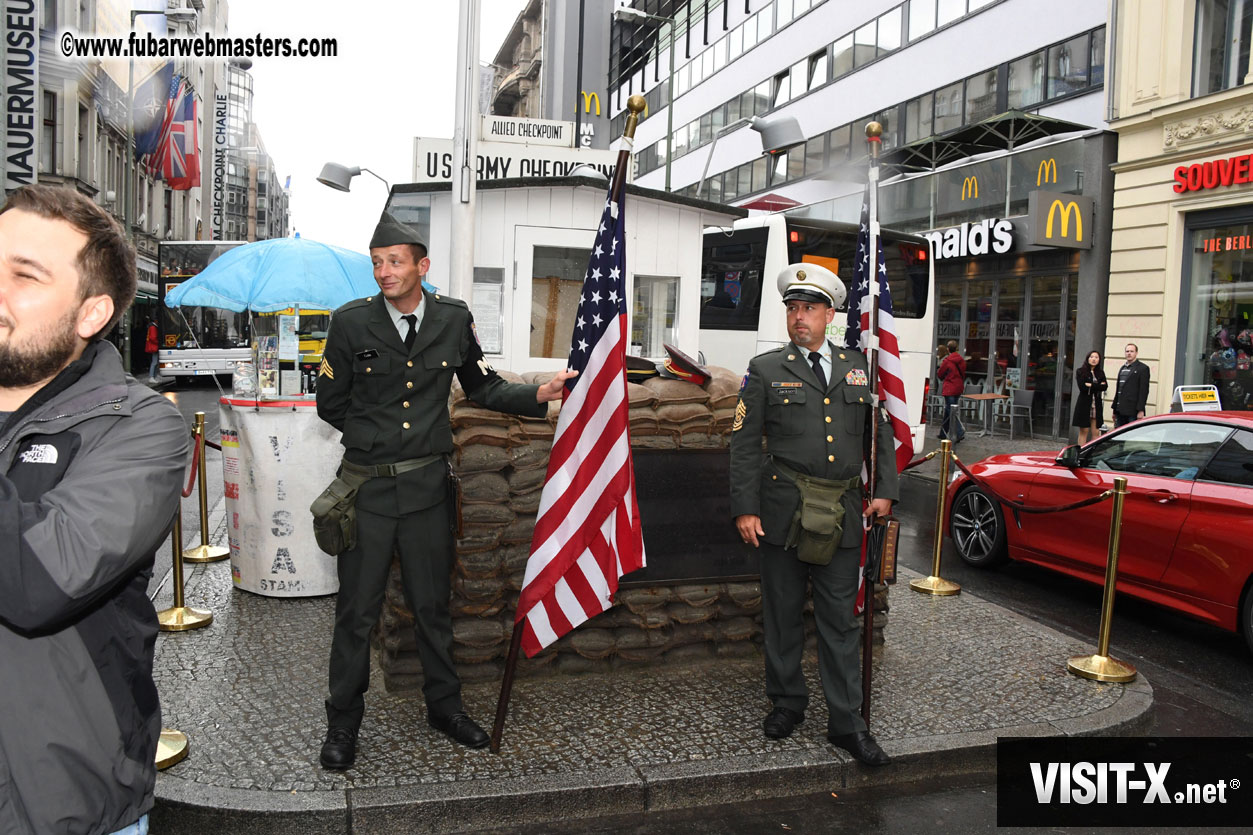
(248, 691)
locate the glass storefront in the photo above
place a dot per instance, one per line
(1014, 318)
(1219, 334)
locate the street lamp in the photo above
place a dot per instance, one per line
(778, 134)
(627, 14)
(339, 177)
(176, 17)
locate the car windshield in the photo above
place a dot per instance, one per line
(1174, 449)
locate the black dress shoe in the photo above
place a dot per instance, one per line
(862, 746)
(781, 721)
(460, 727)
(340, 749)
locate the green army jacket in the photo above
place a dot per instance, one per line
(816, 431)
(392, 404)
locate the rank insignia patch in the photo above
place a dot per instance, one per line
(325, 369)
(740, 411)
(856, 377)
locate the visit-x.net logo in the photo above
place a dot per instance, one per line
(1146, 781)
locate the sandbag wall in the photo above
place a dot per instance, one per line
(502, 461)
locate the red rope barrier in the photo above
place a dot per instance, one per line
(209, 443)
(1022, 508)
(917, 462)
(195, 467)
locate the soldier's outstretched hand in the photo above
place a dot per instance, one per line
(552, 389)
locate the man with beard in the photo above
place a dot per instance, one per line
(91, 463)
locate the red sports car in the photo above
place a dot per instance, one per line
(1187, 531)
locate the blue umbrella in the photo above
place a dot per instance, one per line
(279, 273)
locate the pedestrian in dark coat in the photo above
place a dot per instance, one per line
(1090, 379)
(1131, 392)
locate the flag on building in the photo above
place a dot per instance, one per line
(176, 158)
(891, 378)
(587, 531)
(151, 96)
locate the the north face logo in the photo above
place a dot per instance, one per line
(39, 454)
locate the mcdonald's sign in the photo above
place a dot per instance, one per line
(970, 188)
(589, 99)
(1060, 220)
(1048, 166)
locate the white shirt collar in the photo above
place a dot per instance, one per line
(402, 327)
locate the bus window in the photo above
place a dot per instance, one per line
(730, 287)
(906, 262)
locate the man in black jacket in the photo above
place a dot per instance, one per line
(1132, 391)
(384, 382)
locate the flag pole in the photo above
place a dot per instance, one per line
(635, 106)
(874, 132)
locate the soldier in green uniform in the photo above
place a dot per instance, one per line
(812, 402)
(384, 382)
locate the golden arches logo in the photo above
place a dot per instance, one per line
(589, 98)
(1065, 209)
(1042, 173)
(970, 188)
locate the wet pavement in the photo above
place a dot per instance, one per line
(955, 673)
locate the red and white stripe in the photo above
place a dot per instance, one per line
(587, 531)
(891, 380)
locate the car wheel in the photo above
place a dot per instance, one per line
(978, 528)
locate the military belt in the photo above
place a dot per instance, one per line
(388, 470)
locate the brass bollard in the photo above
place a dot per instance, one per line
(180, 618)
(171, 748)
(1101, 667)
(935, 584)
(204, 552)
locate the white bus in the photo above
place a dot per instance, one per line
(742, 312)
(197, 341)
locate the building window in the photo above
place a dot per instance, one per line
(921, 18)
(890, 31)
(864, 44)
(1026, 81)
(950, 10)
(782, 89)
(83, 143)
(918, 117)
(655, 314)
(980, 96)
(948, 108)
(842, 62)
(1221, 55)
(48, 135)
(556, 287)
(818, 69)
(1068, 66)
(815, 151)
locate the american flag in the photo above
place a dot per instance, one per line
(891, 384)
(857, 336)
(587, 531)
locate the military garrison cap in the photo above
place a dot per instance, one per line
(391, 232)
(811, 283)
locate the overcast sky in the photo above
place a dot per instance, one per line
(393, 79)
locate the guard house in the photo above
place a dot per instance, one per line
(532, 240)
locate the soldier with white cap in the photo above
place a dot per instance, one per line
(812, 402)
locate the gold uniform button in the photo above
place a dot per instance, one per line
(406, 404)
(368, 369)
(828, 418)
(791, 356)
(841, 356)
(831, 458)
(861, 400)
(785, 400)
(826, 401)
(444, 363)
(405, 424)
(409, 385)
(774, 478)
(830, 439)
(409, 363)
